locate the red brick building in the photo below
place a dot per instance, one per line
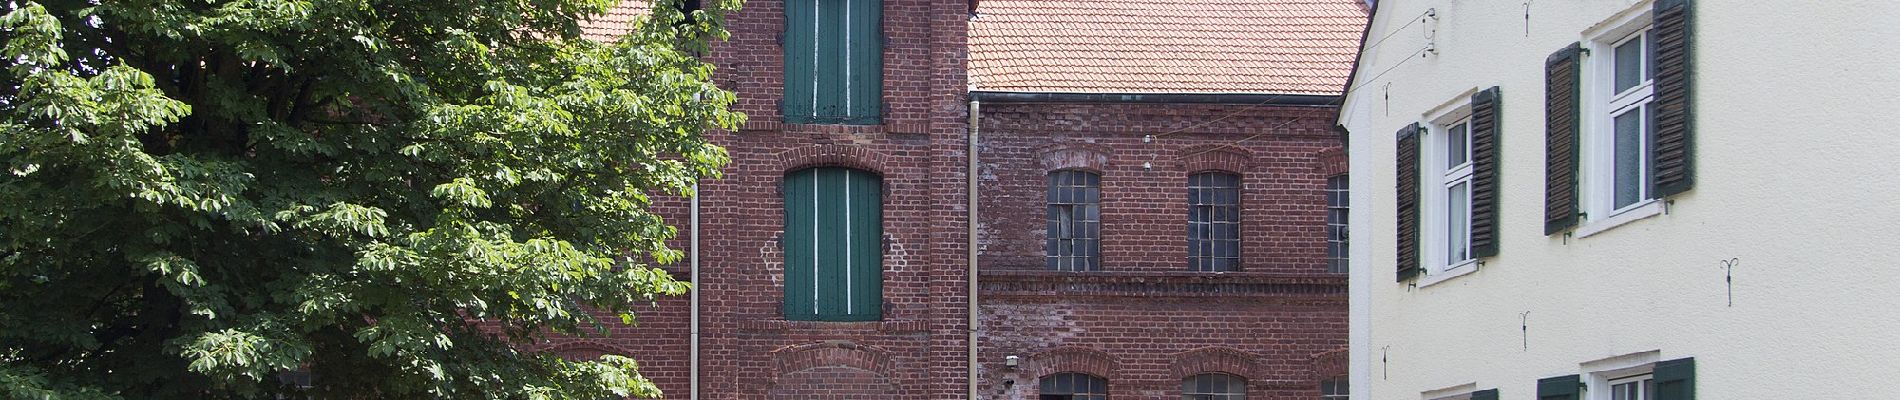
(1152, 204)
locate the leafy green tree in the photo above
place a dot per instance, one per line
(197, 196)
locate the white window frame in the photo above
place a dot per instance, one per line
(1435, 180)
(1601, 375)
(1600, 107)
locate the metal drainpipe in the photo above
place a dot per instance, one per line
(971, 211)
(693, 376)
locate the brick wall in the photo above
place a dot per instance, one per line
(1144, 319)
(1145, 322)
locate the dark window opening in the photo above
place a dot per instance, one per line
(1214, 222)
(1075, 226)
(1073, 386)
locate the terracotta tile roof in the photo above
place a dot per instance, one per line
(618, 21)
(1165, 46)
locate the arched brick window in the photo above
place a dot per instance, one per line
(1215, 386)
(834, 255)
(1073, 386)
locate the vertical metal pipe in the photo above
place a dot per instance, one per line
(693, 375)
(970, 154)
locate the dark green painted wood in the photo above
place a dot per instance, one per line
(800, 40)
(1562, 71)
(1407, 200)
(1485, 111)
(1675, 380)
(831, 60)
(1559, 388)
(867, 244)
(797, 243)
(834, 65)
(1487, 394)
(867, 62)
(1672, 143)
(833, 245)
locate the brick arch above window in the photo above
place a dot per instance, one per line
(1073, 359)
(1225, 360)
(1215, 157)
(1077, 156)
(833, 155)
(834, 353)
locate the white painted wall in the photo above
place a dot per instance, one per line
(1798, 141)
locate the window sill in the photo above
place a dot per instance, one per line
(1648, 209)
(1455, 271)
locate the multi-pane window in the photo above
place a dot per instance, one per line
(1075, 221)
(1632, 388)
(833, 248)
(1073, 386)
(834, 68)
(1214, 387)
(1213, 222)
(1337, 205)
(1334, 389)
(1631, 90)
(1457, 192)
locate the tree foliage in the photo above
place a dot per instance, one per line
(197, 196)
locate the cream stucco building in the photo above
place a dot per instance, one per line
(1615, 199)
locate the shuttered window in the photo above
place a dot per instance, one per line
(1407, 177)
(1484, 173)
(1630, 93)
(833, 247)
(1561, 140)
(1075, 221)
(1214, 222)
(834, 67)
(1675, 379)
(1455, 176)
(1559, 388)
(1673, 142)
(1487, 394)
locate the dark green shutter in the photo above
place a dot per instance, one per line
(1561, 116)
(1487, 394)
(1560, 388)
(800, 41)
(797, 243)
(1673, 140)
(834, 64)
(831, 63)
(832, 239)
(833, 245)
(1407, 191)
(1484, 172)
(1675, 380)
(867, 63)
(867, 247)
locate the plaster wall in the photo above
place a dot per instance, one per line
(1793, 108)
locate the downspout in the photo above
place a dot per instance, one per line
(693, 365)
(970, 154)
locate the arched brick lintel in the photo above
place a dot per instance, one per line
(833, 155)
(1083, 156)
(1332, 161)
(1216, 359)
(1330, 364)
(1203, 158)
(1073, 359)
(837, 353)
